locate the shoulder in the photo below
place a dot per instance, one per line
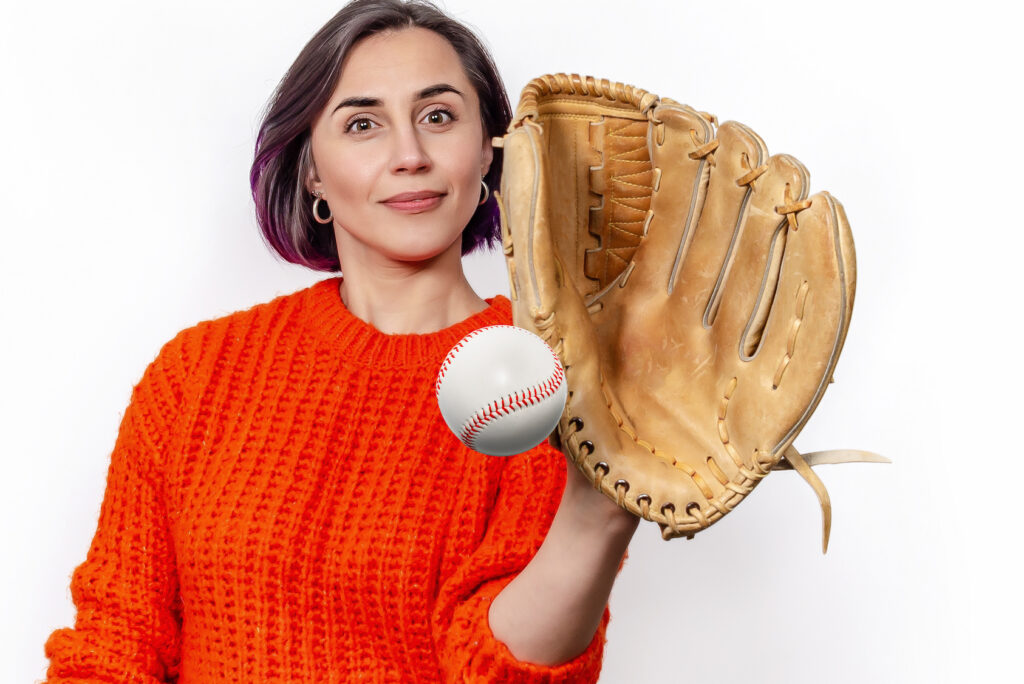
(197, 349)
(501, 308)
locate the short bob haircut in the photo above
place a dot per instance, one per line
(283, 157)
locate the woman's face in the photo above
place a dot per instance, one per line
(399, 150)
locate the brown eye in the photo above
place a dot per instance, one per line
(360, 125)
(439, 117)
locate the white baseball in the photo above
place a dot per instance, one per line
(501, 390)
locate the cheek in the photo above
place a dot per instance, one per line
(343, 172)
(349, 182)
(462, 160)
(464, 175)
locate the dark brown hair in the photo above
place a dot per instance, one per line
(283, 155)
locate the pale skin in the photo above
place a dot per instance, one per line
(403, 118)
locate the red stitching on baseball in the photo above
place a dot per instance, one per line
(507, 404)
(516, 401)
(451, 356)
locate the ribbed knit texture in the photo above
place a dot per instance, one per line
(285, 504)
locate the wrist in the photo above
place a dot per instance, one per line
(591, 509)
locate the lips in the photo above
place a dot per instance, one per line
(414, 202)
(413, 196)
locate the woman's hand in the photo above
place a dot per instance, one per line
(592, 507)
(550, 612)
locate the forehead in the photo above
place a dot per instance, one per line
(400, 63)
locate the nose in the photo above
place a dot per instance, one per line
(408, 154)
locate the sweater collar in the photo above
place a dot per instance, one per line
(329, 319)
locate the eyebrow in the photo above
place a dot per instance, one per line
(429, 91)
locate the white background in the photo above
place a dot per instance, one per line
(127, 130)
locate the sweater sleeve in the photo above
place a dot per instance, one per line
(127, 625)
(529, 493)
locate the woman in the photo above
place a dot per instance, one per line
(284, 502)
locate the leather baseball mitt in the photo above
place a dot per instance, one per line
(697, 297)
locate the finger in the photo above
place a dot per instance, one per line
(744, 296)
(700, 274)
(518, 204)
(680, 140)
(807, 324)
(539, 281)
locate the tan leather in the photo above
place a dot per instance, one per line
(794, 460)
(697, 296)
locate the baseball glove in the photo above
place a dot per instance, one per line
(697, 297)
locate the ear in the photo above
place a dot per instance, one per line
(487, 157)
(312, 182)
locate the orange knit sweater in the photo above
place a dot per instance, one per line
(285, 504)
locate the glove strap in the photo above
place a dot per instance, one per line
(793, 460)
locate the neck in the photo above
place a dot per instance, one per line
(399, 298)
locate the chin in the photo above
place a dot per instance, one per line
(414, 253)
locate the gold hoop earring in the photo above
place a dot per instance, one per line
(487, 193)
(316, 209)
